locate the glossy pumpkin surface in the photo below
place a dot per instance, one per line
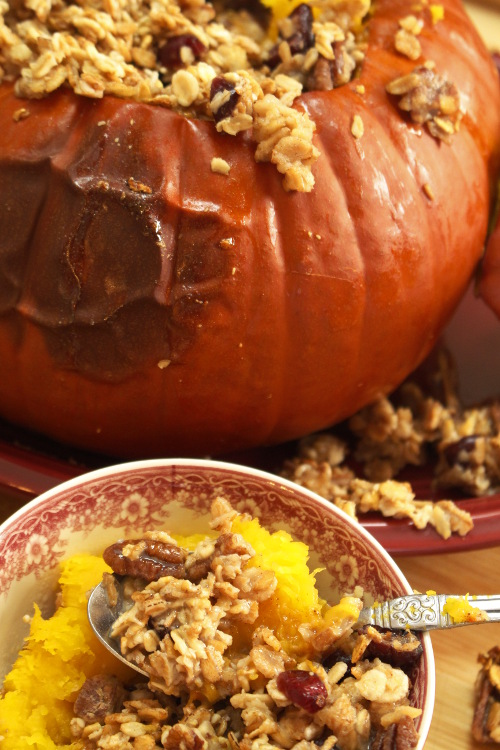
(214, 312)
(489, 275)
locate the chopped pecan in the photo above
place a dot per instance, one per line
(486, 721)
(400, 736)
(153, 560)
(183, 736)
(329, 74)
(100, 695)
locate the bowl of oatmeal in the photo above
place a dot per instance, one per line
(244, 589)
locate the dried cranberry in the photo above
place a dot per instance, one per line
(402, 650)
(302, 37)
(455, 453)
(169, 54)
(303, 689)
(336, 656)
(219, 84)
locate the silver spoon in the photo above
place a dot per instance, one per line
(102, 617)
(420, 612)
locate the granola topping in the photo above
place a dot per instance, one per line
(243, 68)
(239, 69)
(218, 677)
(430, 100)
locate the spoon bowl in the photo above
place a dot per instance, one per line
(102, 617)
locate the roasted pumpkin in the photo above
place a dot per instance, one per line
(489, 269)
(150, 305)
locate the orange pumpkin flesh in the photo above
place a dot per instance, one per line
(217, 313)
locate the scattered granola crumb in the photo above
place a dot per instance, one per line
(285, 138)
(408, 429)
(428, 191)
(138, 187)
(407, 44)
(411, 24)
(357, 127)
(20, 114)
(163, 363)
(220, 166)
(430, 100)
(360, 89)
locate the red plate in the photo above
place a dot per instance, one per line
(29, 464)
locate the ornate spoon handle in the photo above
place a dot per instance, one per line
(431, 611)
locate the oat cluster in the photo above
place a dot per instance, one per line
(243, 70)
(411, 428)
(184, 54)
(430, 100)
(208, 690)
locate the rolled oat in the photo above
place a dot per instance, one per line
(207, 690)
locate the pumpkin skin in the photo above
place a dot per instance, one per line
(218, 313)
(489, 275)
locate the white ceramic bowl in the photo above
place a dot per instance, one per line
(93, 510)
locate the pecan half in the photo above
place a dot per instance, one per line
(486, 721)
(400, 736)
(155, 559)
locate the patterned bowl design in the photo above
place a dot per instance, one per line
(93, 510)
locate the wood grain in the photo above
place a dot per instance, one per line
(456, 651)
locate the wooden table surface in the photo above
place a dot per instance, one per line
(456, 651)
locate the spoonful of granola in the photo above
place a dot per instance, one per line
(191, 611)
(110, 601)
